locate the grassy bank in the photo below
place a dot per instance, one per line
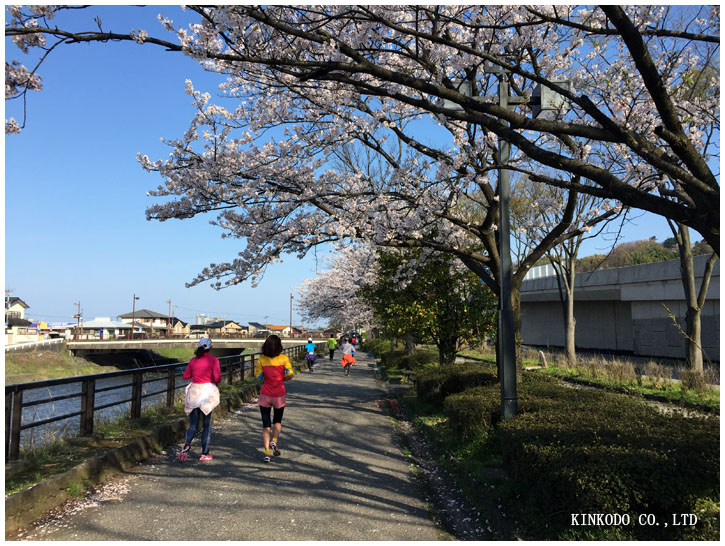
(42, 365)
(569, 451)
(655, 380)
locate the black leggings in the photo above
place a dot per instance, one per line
(266, 412)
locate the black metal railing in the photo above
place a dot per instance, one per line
(237, 366)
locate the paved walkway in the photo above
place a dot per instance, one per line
(341, 476)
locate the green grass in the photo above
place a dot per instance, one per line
(619, 376)
(182, 354)
(39, 366)
(477, 466)
(706, 399)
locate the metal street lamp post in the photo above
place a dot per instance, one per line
(133, 314)
(543, 99)
(506, 337)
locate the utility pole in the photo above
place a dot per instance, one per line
(77, 316)
(168, 322)
(133, 314)
(290, 314)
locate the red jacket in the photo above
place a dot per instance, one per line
(203, 370)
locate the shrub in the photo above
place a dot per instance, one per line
(690, 379)
(583, 451)
(471, 412)
(435, 384)
(403, 361)
(376, 346)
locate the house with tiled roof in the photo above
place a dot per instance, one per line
(256, 329)
(15, 308)
(151, 322)
(282, 331)
(179, 328)
(226, 328)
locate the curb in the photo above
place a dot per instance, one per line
(26, 506)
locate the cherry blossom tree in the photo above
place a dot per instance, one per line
(310, 81)
(334, 293)
(630, 68)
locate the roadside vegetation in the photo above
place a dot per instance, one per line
(182, 354)
(649, 380)
(569, 451)
(42, 365)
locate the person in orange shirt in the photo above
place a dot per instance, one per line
(274, 369)
(348, 356)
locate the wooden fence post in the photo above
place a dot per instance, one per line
(136, 395)
(16, 422)
(170, 387)
(230, 371)
(8, 412)
(88, 401)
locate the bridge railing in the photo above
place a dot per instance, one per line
(128, 392)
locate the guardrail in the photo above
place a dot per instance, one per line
(32, 345)
(231, 367)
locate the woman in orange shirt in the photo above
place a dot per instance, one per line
(274, 369)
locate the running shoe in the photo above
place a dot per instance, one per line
(266, 458)
(275, 450)
(206, 457)
(184, 453)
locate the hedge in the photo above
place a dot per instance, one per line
(434, 384)
(582, 451)
(470, 413)
(573, 451)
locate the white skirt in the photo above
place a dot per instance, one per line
(204, 396)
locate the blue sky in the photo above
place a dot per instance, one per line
(75, 196)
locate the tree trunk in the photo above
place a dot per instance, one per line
(693, 342)
(447, 351)
(569, 320)
(409, 344)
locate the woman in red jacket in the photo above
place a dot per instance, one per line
(274, 369)
(202, 396)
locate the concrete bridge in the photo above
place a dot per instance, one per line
(220, 347)
(623, 309)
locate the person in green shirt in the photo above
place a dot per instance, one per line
(332, 345)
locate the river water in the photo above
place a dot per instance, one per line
(71, 425)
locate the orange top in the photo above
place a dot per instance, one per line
(273, 371)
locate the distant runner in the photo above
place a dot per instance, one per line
(332, 345)
(348, 356)
(310, 357)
